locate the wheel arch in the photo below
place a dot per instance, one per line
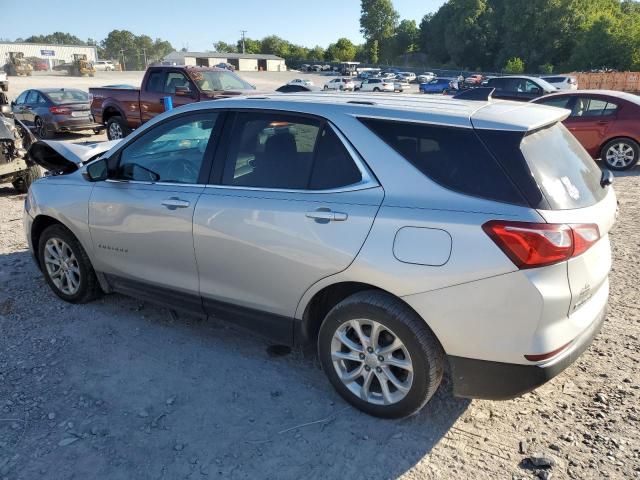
(612, 138)
(322, 301)
(40, 223)
(110, 111)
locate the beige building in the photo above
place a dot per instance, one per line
(244, 62)
(53, 54)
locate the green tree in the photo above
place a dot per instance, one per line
(275, 46)
(250, 46)
(407, 37)
(378, 21)
(316, 53)
(374, 52)
(57, 38)
(225, 47)
(514, 65)
(342, 51)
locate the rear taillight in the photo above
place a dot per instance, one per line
(531, 245)
(60, 110)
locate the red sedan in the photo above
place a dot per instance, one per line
(605, 122)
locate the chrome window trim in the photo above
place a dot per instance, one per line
(162, 184)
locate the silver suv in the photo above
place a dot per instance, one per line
(399, 236)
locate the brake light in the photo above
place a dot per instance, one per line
(531, 245)
(60, 110)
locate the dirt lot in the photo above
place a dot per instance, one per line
(120, 389)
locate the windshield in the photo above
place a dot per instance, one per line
(68, 96)
(214, 81)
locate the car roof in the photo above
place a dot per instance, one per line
(606, 93)
(491, 114)
(51, 90)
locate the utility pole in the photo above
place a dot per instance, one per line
(242, 32)
(124, 59)
(144, 52)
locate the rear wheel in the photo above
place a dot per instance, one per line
(376, 89)
(66, 266)
(620, 154)
(380, 355)
(117, 128)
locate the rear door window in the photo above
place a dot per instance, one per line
(592, 107)
(284, 151)
(452, 157)
(559, 102)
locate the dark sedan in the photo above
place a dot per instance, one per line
(522, 89)
(48, 111)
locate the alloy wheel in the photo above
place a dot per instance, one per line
(620, 155)
(40, 128)
(62, 266)
(372, 361)
(115, 131)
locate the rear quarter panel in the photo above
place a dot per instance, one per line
(125, 101)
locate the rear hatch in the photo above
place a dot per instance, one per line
(565, 185)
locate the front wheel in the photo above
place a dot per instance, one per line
(380, 355)
(326, 88)
(620, 154)
(117, 128)
(66, 266)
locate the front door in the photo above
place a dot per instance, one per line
(141, 218)
(290, 207)
(589, 121)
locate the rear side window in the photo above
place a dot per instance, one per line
(559, 102)
(453, 157)
(564, 171)
(593, 107)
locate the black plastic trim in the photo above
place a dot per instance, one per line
(487, 380)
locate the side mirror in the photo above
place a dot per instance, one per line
(96, 171)
(183, 92)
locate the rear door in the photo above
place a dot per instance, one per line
(590, 119)
(289, 203)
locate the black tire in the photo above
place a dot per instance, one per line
(24, 181)
(117, 126)
(625, 143)
(425, 351)
(376, 89)
(89, 288)
(41, 129)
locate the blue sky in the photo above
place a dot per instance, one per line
(306, 22)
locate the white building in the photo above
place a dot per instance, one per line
(54, 54)
(244, 62)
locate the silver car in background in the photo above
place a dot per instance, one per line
(396, 236)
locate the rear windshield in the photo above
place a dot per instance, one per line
(554, 79)
(68, 96)
(564, 171)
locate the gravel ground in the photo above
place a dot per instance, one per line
(120, 389)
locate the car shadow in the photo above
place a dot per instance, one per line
(172, 395)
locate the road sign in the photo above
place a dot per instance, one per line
(48, 53)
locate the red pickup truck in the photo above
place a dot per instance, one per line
(123, 108)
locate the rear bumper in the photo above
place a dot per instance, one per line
(75, 126)
(502, 381)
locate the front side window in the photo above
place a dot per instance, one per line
(32, 97)
(558, 102)
(22, 98)
(286, 152)
(172, 152)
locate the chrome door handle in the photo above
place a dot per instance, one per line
(325, 215)
(175, 202)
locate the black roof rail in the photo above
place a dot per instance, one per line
(480, 93)
(361, 102)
